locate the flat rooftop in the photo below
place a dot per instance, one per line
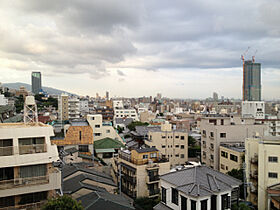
(238, 146)
(22, 125)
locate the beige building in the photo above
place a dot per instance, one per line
(147, 116)
(224, 128)
(140, 171)
(27, 175)
(262, 168)
(231, 156)
(172, 143)
(102, 129)
(63, 113)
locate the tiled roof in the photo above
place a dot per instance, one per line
(107, 143)
(200, 181)
(143, 150)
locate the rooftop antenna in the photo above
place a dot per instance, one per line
(30, 110)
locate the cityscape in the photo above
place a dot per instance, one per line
(95, 112)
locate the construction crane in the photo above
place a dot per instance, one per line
(253, 57)
(243, 60)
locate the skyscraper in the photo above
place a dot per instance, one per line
(36, 82)
(251, 81)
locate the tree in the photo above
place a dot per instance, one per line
(191, 141)
(63, 203)
(145, 203)
(132, 125)
(238, 174)
(241, 206)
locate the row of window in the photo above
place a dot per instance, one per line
(133, 115)
(170, 137)
(222, 135)
(177, 146)
(177, 155)
(232, 157)
(152, 155)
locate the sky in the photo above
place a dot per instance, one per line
(182, 49)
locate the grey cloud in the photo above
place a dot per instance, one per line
(120, 73)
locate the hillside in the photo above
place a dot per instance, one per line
(49, 90)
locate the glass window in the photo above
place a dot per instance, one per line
(33, 171)
(273, 159)
(182, 156)
(224, 154)
(83, 148)
(7, 201)
(234, 157)
(182, 137)
(6, 173)
(272, 175)
(203, 204)
(153, 155)
(223, 135)
(182, 146)
(174, 195)
(145, 156)
(183, 203)
(163, 194)
(193, 205)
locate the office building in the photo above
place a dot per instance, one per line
(251, 81)
(224, 128)
(36, 82)
(28, 177)
(262, 169)
(198, 187)
(140, 171)
(215, 96)
(172, 143)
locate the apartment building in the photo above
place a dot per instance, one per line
(106, 112)
(140, 171)
(172, 143)
(102, 129)
(63, 112)
(126, 113)
(73, 108)
(254, 109)
(262, 168)
(273, 123)
(232, 156)
(224, 128)
(27, 175)
(198, 187)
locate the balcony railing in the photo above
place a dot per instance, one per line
(6, 151)
(131, 193)
(141, 161)
(128, 178)
(153, 178)
(20, 182)
(29, 206)
(154, 192)
(33, 148)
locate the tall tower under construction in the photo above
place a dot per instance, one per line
(251, 81)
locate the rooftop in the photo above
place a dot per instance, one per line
(200, 181)
(144, 150)
(238, 146)
(23, 125)
(107, 143)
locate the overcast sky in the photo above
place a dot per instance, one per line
(182, 49)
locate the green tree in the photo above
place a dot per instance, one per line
(63, 203)
(19, 104)
(238, 174)
(241, 206)
(132, 125)
(191, 141)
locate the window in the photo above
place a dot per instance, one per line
(193, 205)
(223, 135)
(183, 203)
(107, 131)
(83, 148)
(33, 197)
(212, 157)
(162, 146)
(163, 194)
(163, 137)
(273, 159)
(7, 201)
(177, 137)
(224, 154)
(6, 147)
(80, 135)
(97, 126)
(153, 155)
(213, 202)
(145, 156)
(225, 201)
(204, 132)
(182, 137)
(182, 156)
(33, 171)
(97, 134)
(234, 157)
(211, 134)
(174, 195)
(177, 155)
(182, 147)
(272, 175)
(177, 146)
(92, 118)
(212, 146)
(222, 166)
(222, 121)
(203, 204)
(6, 173)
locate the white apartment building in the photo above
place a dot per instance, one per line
(172, 143)
(118, 104)
(224, 128)
(102, 129)
(3, 100)
(27, 175)
(126, 113)
(84, 108)
(254, 109)
(74, 108)
(273, 123)
(262, 159)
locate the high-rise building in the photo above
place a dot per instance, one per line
(251, 81)
(215, 96)
(107, 95)
(36, 82)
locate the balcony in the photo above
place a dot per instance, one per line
(130, 193)
(152, 179)
(6, 151)
(33, 148)
(29, 206)
(154, 192)
(130, 179)
(21, 182)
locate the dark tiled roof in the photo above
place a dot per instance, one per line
(200, 181)
(125, 121)
(104, 201)
(142, 150)
(107, 143)
(71, 150)
(161, 206)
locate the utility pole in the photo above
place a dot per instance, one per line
(120, 182)
(244, 180)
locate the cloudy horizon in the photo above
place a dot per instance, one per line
(182, 49)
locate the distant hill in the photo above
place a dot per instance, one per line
(49, 90)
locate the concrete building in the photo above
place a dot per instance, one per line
(262, 168)
(147, 116)
(27, 175)
(126, 113)
(102, 129)
(3, 100)
(63, 110)
(252, 81)
(36, 82)
(118, 104)
(198, 187)
(172, 143)
(273, 123)
(84, 107)
(140, 171)
(224, 128)
(254, 109)
(74, 108)
(215, 96)
(232, 156)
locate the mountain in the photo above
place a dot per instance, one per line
(49, 90)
